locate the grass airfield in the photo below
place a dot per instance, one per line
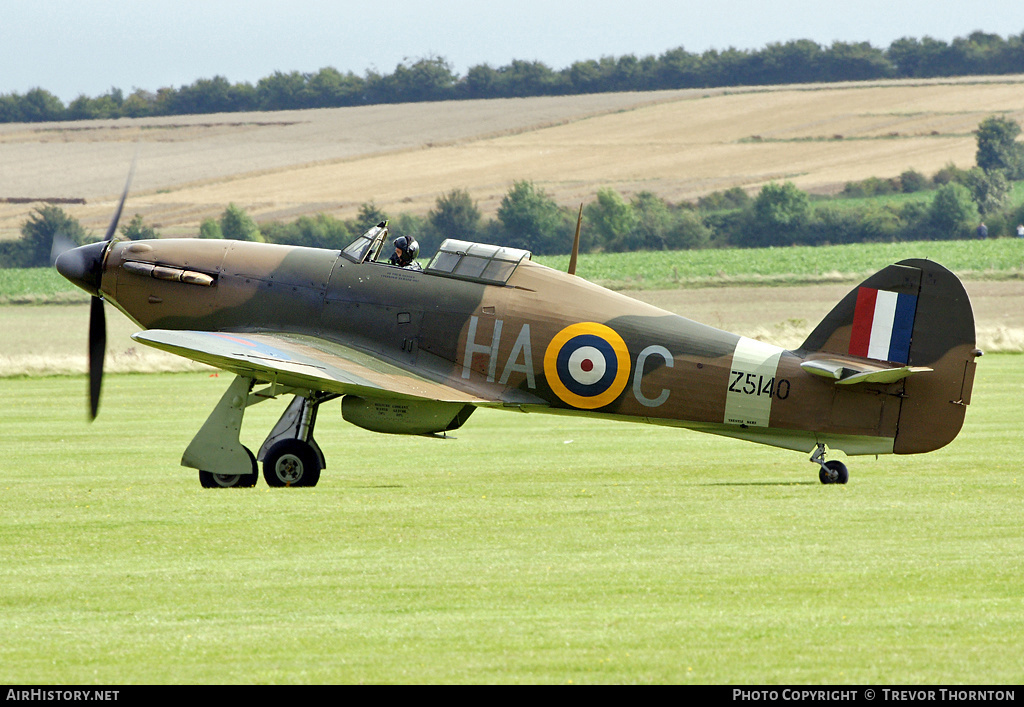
(532, 549)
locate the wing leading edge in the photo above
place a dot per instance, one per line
(306, 362)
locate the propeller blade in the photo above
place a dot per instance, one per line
(97, 317)
(576, 243)
(61, 245)
(112, 229)
(97, 350)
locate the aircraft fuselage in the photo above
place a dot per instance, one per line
(544, 341)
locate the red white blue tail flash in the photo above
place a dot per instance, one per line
(883, 323)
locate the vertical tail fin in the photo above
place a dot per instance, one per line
(913, 313)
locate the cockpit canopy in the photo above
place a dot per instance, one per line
(367, 246)
(477, 262)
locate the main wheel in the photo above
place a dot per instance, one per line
(210, 480)
(834, 472)
(291, 462)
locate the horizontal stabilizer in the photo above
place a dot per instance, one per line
(845, 372)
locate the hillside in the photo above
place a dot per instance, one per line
(677, 144)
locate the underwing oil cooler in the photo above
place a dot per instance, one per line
(404, 417)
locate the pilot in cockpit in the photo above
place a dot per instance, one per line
(406, 250)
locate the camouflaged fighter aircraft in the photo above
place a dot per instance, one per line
(889, 370)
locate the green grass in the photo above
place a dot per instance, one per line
(995, 258)
(843, 203)
(1014, 199)
(37, 286)
(531, 549)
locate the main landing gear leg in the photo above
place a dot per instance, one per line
(215, 451)
(833, 472)
(290, 455)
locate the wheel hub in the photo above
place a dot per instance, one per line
(289, 469)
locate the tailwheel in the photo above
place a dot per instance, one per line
(291, 462)
(211, 480)
(834, 472)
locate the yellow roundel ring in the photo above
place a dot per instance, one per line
(587, 365)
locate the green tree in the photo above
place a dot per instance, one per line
(136, 230)
(990, 190)
(330, 88)
(369, 216)
(38, 105)
(482, 81)
(734, 198)
(655, 223)
(612, 220)
(780, 213)
(926, 57)
(688, 232)
(981, 53)
(855, 62)
(798, 61)
(214, 95)
(998, 148)
(880, 224)
(10, 108)
(586, 77)
(237, 225)
(949, 173)
(532, 220)
(321, 231)
(38, 233)
(912, 181)
(428, 79)
(455, 215)
(281, 91)
(832, 225)
(528, 78)
(953, 212)
(209, 228)
(139, 104)
(678, 68)
(85, 108)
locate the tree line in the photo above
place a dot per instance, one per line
(433, 79)
(529, 218)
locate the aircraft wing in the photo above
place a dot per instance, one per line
(307, 362)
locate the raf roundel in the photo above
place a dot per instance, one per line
(587, 365)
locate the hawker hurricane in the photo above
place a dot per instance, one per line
(415, 351)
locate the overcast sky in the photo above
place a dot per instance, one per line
(71, 47)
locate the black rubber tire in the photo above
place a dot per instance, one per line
(210, 480)
(291, 462)
(834, 472)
